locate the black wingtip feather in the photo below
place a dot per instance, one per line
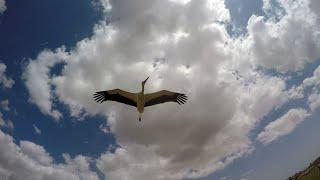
(99, 96)
(181, 99)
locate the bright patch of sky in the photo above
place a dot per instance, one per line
(240, 12)
(250, 70)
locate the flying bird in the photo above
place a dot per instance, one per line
(140, 100)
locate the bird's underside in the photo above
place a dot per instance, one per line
(131, 99)
(140, 100)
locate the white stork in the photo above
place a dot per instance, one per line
(140, 100)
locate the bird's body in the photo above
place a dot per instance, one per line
(140, 100)
(140, 103)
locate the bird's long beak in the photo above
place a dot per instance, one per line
(146, 80)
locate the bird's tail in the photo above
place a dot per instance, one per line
(139, 117)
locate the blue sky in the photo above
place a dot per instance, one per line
(250, 71)
(26, 30)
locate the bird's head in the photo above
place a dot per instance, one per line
(144, 82)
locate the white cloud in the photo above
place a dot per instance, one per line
(266, 5)
(183, 2)
(30, 161)
(36, 152)
(80, 165)
(287, 44)
(313, 82)
(228, 95)
(282, 126)
(4, 80)
(315, 7)
(5, 105)
(3, 6)
(314, 101)
(36, 129)
(145, 165)
(37, 80)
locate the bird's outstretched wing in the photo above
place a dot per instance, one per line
(116, 95)
(164, 96)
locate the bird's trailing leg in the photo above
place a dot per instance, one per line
(139, 117)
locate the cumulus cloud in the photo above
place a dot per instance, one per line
(282, 126)
(37, 79)
(36, 129)
(31, 162)
(313, 82)
(315, 7)
(36, 152)
(314, 101)
(4, 80)
(199, 58)
(3, 6)
(286, 44)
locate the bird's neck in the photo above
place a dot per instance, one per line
(142, 89)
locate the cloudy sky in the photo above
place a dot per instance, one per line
(251, 70)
